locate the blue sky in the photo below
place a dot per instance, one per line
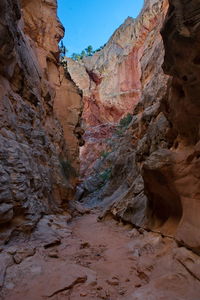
(92, 22)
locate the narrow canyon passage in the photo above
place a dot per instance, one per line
(100, 157)
(85, 258)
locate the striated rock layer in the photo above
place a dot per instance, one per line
(151, 172)
(148, 173)
(126, 151)
(38, 116)
(182, 107)
(113, 80)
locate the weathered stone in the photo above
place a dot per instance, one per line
(35, 138)
(153, 169)
(23, 253)
(5, 262)
(112, 80)
(6, 213)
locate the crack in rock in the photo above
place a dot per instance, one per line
(188, 270)
(76, 281)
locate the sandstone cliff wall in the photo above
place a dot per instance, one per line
(182, 108)
(110, 79)
(113, 80)
(37, 144)
(129, 147)
(150, 174)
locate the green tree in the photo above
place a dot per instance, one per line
(63, 50)
(76, 56)
(89, 50)
(83, 54)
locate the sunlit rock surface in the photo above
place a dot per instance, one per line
(112, 80)
(122, 155)
(149, 174)
(146, 174)
(38, 116)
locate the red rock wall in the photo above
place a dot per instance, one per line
(111, 83)
(33, 151)
(154, 166)
(115, 78)
(119, 68)
(177, 196)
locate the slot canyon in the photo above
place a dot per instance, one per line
(100, 157)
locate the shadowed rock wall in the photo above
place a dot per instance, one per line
(129, 147)
(182, 107)
(36, 155)
(153, 178)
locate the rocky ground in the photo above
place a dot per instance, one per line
(84, 258)
(146, 171)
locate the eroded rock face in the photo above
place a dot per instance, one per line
(131, 145)
(154, 166)
(112, 80)
(181, 39)
(34, 153)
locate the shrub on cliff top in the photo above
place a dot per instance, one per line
(63, 50)
(86, 52)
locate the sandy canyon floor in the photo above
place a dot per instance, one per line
(85, 258)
